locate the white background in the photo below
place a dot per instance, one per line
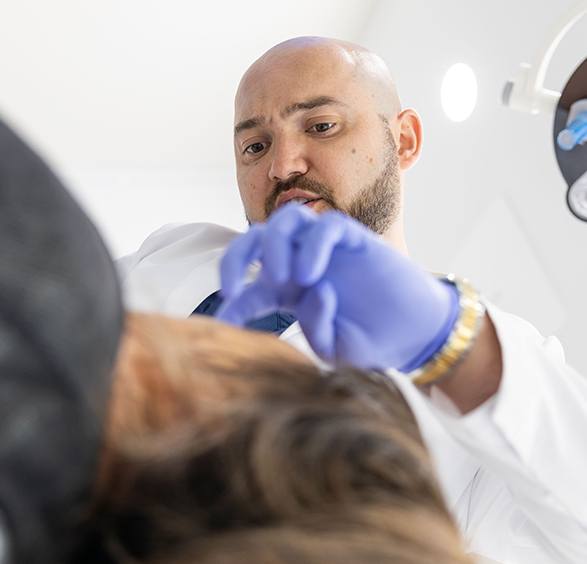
(131, 101)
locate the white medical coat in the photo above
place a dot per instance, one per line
(513, 471)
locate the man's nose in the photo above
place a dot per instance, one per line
(288, 159)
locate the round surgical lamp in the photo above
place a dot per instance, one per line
(526, 93)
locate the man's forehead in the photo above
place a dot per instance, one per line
(290, 94)
(310, 103)
(298, 71)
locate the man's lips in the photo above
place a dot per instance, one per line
(295, 194)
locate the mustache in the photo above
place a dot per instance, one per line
(303, 183)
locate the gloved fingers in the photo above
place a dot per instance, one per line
(255, 301)
(354, 347)
(316, 313)
(241, 252)
(279, 239)
(317, 243)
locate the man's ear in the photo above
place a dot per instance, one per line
(409, 127)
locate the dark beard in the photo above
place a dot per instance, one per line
(377, 206)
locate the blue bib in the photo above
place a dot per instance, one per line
(276, 322)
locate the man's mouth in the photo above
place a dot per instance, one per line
(308, 202)
(304, 201)
(296, 195)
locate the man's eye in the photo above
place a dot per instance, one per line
(322, 127)
(254, 148)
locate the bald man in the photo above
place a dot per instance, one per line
(319, 122)
(346, 142)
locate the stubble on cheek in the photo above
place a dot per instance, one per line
(253, 204)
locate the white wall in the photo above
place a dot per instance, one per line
(132, 102)
(487, 198)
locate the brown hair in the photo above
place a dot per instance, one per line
(226, 447)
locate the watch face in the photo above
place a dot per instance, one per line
(572, 161)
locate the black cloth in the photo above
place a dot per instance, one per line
(60, 323)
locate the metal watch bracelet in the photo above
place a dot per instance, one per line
(461, 338)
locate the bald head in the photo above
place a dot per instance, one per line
(315, 55)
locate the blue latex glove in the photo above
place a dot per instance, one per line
(358, 301)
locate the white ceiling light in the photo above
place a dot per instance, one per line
(458, 93)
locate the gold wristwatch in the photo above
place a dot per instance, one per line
(461, 338)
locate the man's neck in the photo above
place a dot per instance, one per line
(395, 236)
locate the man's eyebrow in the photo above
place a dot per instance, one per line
(248, 124)
(291, 109)
(311, 104)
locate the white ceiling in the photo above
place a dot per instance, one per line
(132, 101)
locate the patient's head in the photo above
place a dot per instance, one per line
(228, 447)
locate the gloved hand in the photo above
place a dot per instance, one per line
(358, 301)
